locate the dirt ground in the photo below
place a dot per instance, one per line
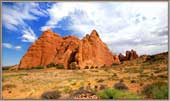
(30, 84)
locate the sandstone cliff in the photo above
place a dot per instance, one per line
(52, 48)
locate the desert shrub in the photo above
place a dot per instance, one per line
(59, 66)
(115, 64)
(73, 65)
(67, 89)
(51, 95)
(96, 67)
(141, 84)
(109, 93)
(83, 94)
(8, 86)
(38, 67)
(95, 87)
(51, 65)
(157, 71)
(151, 74)
(120, 86)
(92, 67)
(114, 75)
(101, 87)
(163, 76)
(100, 80)
(6, 68)
(133, 81)
(86, 67)
(157, 90)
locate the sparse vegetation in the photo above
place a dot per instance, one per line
(86, 67)
(6, 68)
(124, 79)
(115, 64)
(100, 80)
(109, 93)
(120, 86)
(133, 81)
(92, 67)
(157, 90)
(59, 66)
(73, 66)
(51, 95)
(38, 67)
(8, 86)
(51, 65)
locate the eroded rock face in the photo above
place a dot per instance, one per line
(50, 47)
(130, 55)
(93, 52)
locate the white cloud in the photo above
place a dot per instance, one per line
(28, 35)
(133, 24)
(16, 14)
(10, 46)
(7, 45)
(17, 47)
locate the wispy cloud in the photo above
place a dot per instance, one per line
(17, 47)
(28, 35)
(7, 45)
(10, 46)
(15, 15)
(130, 24)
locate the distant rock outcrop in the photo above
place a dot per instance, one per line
(130, 55)
(52, 48)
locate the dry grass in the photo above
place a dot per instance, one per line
(25, 84)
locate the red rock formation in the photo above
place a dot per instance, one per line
(130, 55)
(122, 57)
(50, 47)
(93, 52)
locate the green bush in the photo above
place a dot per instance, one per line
(115, 64)
(51, 65)
(92, 67)
(72, 65)
(38, 67)
(100, 80)
(86, 67)
(59, 66)
(109, 93)
(157, 90)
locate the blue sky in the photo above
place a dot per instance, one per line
(142, 26)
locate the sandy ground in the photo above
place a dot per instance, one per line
(30, 84)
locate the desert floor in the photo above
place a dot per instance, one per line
(30, 84)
